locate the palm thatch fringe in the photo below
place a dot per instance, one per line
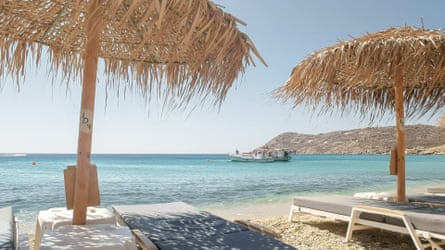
(181, 48)
(358, 74)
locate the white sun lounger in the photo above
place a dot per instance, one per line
(436, 190)
(424, 224)
(428, 199)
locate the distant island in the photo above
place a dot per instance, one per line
(419, 139)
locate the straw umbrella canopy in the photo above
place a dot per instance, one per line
(174, 50)
(400, 70)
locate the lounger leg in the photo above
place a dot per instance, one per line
(412, 233)
(353, 224)
(16, 233)
(354, 215)
(291, 213)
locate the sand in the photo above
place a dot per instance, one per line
(313, 232)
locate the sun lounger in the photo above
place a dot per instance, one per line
(180, 226)
(428, 199)
(421, 222)
(436, 190)
(8, 229)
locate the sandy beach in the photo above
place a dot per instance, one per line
(313, 232)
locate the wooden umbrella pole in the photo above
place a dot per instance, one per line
(400, 127)
(86, 116)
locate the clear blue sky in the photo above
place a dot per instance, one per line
(43, 118)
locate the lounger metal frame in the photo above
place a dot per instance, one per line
(142, 241)
(299, 209)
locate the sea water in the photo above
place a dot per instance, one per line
(33, 182)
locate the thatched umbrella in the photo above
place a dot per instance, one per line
(398, 69)
(173, 49)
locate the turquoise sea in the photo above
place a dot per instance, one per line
(205, 180)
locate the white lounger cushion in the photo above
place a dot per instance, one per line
(6, 228)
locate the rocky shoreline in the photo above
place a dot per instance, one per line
(419, 139)
(440, 150)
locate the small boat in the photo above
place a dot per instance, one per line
(260, 156)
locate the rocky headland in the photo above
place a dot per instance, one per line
(419, 139)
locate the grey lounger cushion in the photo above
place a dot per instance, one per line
(429, 199)
(423, 217)
(180, 226)
(6, 228)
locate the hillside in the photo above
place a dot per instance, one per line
(419, 139)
